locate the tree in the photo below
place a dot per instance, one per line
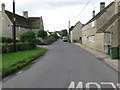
(64, 32)
(42, 34)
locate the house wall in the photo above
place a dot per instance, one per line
(6, 25)
(0, 23)
(119, 32)
(76, 33)
(99, 43)
(106, 16)
(20, 30)
(87, 32)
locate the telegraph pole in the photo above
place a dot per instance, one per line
(69, 27)
(14, 29)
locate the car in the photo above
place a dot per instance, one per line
(65, 39)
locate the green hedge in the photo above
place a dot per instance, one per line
(28, 37)
(5, 40)
(20, 46)
(49, 40)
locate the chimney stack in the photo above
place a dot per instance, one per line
(102, 6)
(93, 13)
(25, 14)
(3, 7)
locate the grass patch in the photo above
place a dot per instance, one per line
(12, 62)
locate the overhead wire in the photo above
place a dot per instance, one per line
(82, 10)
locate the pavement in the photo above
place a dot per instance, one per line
(63, 65)
(114, 63)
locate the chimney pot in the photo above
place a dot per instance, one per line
(3, 6)
(102, 6)
(25, 14)
(93, 13)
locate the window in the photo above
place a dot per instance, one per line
(85, 38)
(93, 24)
(91, 38)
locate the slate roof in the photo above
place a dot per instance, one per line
(35, 22)
(32, 22)
(99, 14)
(109, 22)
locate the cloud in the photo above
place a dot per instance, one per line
(57, 13)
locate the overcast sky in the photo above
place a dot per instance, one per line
(57, 13)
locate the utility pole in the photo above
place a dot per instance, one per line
(69, 27)
(14, 29)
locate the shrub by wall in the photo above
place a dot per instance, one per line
(5, 40)
(49, 40)
(28, 37)
(20, 46)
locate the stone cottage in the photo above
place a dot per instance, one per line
(76, 33)
(23, 23)
(101, 31)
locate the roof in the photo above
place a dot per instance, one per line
(35, 22)
(72, 27)
(20, 21)
(32, 22)
(99, 14)
(109, 22)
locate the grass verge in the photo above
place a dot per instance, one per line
(12, 62)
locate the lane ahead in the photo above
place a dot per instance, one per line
(62, 64)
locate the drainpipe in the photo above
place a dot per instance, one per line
(111, 34)
(111, 38)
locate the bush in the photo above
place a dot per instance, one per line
(42, 34)
(5, 40)
(6, 47)
(49, 40)
(28, 37)
(20, 46)
(74, 41)
(40, 43)
(54, 35)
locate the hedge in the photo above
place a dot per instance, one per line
(5, 40)
(28, 37)
(49, 40)
(20, 46)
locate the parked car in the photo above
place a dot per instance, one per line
(65, 39)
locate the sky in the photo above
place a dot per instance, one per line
(57, 13)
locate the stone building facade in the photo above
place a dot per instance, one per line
(23, 23)
(102, 30)
(76, 33)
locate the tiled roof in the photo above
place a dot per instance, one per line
(35, 22)
(109, 22)
(99, 14)
(31, 22)
(20, 20)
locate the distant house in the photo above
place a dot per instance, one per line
(76, 32)
(103, 30)
(23, 23)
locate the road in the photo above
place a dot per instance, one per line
(63, 63)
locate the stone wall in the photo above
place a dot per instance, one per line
(76, 33)
(6, 25)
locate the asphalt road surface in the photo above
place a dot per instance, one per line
(64, 65)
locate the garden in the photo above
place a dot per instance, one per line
(26, 50)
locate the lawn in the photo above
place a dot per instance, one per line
(11, 62)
